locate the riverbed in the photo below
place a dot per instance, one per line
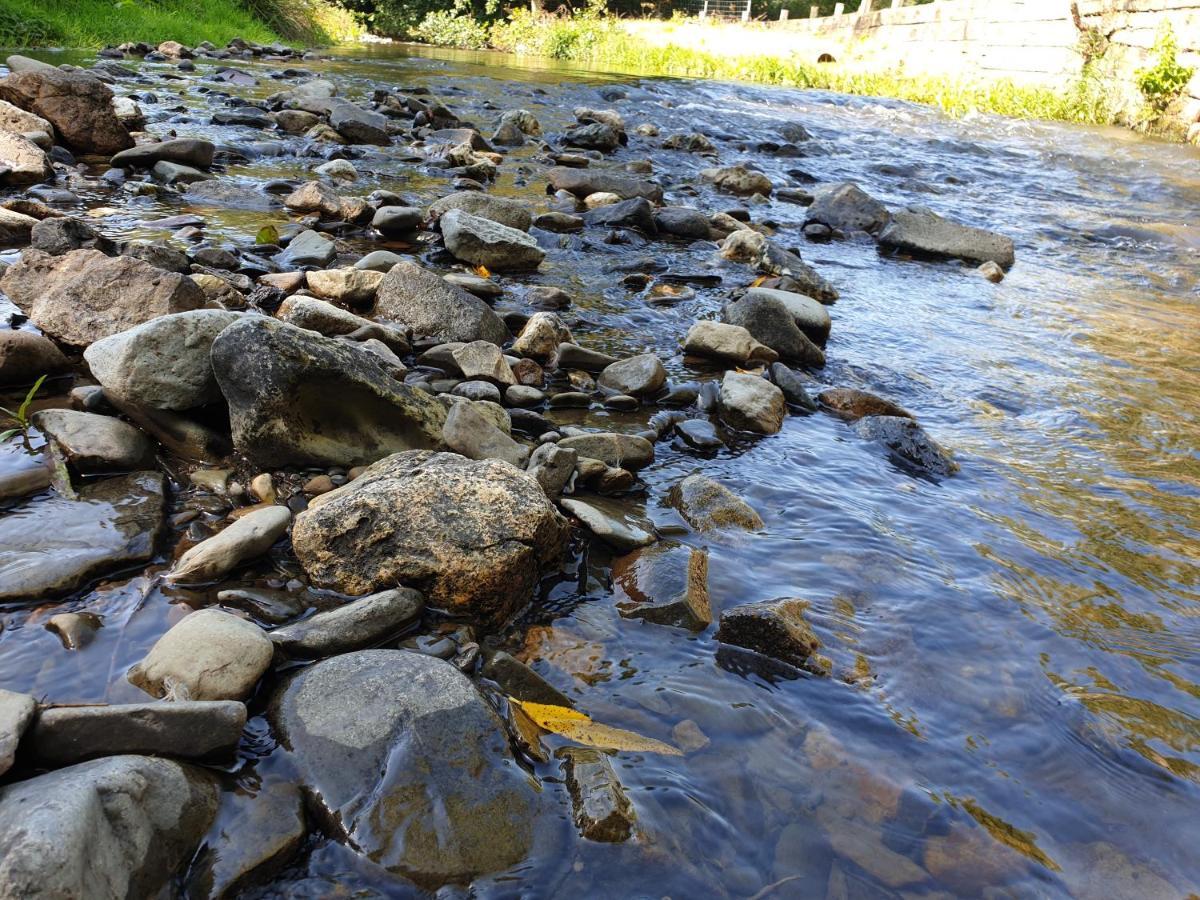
(1014, 704)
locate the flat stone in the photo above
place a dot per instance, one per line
(353, 626)
(115, 827)
(519, 681)
(612, 522)
(397, 220)
(720, 340)
(708, 505)
(699, 434)
(309, 248)
(83, 296)
(504, 210)
(624, 451)
(115, 523)
(93, 443)
(924, 233)
(200, 731)
(352, 286)
(582, 182)
(431, 307)
(572, 356)
(907, 443)
(379, 261)
(186, 151)
(483, 360)
(208, 655)
(468, 432)
(852, 404)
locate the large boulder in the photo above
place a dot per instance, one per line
(482, 242)
(84, 296)
(472, 535)
(115, 827)
(114, 523)
(924, 233)
(770, 322)
(13, 118)
(403, 759)
(22, 161)
(298, 397)
(163, 363)
(513, 213)
(432, 307)
(750, 403)
(848, 207)
(77, 104)
(358, 125)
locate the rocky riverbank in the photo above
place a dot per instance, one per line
(382, 404)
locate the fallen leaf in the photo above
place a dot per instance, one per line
(482, 272)
(578, 727)
(268, 234)
(757, 281)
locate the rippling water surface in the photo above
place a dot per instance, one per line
(1015, 705)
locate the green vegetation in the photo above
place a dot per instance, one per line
(20, 415)
(1163, 83)
(94, 23)
(591, 37)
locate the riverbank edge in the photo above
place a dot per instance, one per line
(92, 24)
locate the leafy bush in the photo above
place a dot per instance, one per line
(1163, 82)
(449, 30)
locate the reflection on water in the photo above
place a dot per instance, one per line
(1016, 689)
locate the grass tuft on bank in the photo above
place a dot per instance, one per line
(95, 23)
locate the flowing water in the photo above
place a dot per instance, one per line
(1014, 708)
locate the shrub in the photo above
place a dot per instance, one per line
(449, 30)
(1163, 82)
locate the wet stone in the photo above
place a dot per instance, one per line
(357, 624)
(189, 730)
(113, 524)
(775, 628)
(612, 522)
(602, 810)
(16, 712)
(666, 584)
(699, 434)
(708, 505)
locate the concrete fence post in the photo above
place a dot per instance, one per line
(783, 15)
(746, 12)
(864, 7)
(704, 11)
(814, 11)
(839, 8)
(896, 4)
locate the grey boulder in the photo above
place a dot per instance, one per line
(770, 322)
(297, 397)
(431, 307)
(163, 363)
(403, 760)
(93, 443)
(924, 233)
(637, 376)
(847, 207)
(513, 213)
(482, 242)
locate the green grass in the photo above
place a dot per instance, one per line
(599, 42)
(94, 23)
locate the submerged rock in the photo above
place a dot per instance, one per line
(612, 522)
(353, 626)
(84, 296)
(924, 233)
(403, 760)
(906, 441)
(203, 731)
(776, 628)
(114, 523)
(665, 584)
(852, 404)
(472, 536)
(708, 505)
(297, 397)
(602, 810)
(114, 827)
(209, 655)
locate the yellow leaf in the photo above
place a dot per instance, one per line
(580, 728)
(757, 281)
(482, 271)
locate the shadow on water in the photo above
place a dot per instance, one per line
(1016, 650)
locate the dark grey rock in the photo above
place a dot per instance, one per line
(431, 307)
(907, 442)
(633, 213)
(847, 207)
(602, 810)
(358, 624)
(769, 321)
(16, 712)
(924, 233)
(93, 443)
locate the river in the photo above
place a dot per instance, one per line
(1014, 708)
